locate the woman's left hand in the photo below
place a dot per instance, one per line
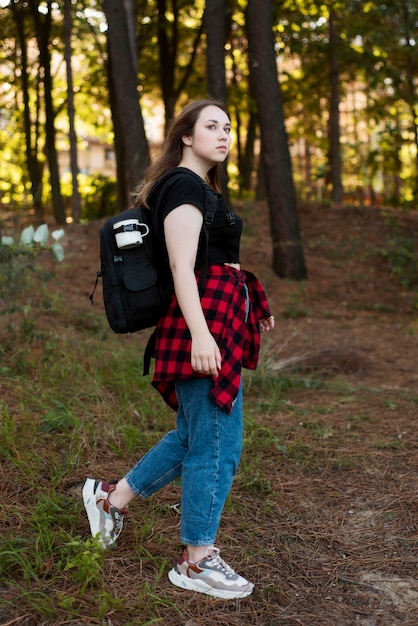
(266, 324)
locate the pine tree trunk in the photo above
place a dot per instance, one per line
(75, 199)
(133, 145)
(43, 30)
(214, 22)
(214, 25)
(335, 162)
(34, 166)
(288, 259)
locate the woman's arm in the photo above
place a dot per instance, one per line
(182, 228)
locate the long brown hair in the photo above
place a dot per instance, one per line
(172, 153)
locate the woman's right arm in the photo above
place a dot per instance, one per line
(182, 228)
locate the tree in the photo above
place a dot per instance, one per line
(133, 154)
(214, 22)
(409, 27)
(76, 200)
(361, 127)
(335, 163)
(43, 24)
(174, 73)
(288, 259)
(240, 99)
(321, 58)
(390, 66)
(31, 130)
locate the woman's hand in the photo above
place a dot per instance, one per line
(206, 356)
(266, 324)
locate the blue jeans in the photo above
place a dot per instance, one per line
(204, 450)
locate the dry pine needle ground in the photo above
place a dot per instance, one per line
(323, 513)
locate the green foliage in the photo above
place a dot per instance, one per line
(400, 251)
(98, 194)
(8, 430)
(84, 561)
(19, 271)
(401, 254)
(59, 418)
(34, 241)
(376, 55)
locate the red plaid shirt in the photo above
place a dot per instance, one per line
(224, 304)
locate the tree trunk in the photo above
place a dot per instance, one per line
(126, 97)
(246, 155)
(31, 137)
(214, 25)
(167, 43)
(335, 162)
(131, 21)
(247, 164)
(168, 40)
(397, 165)
(261, 188)
(122, 188)
(414, 122)
(288, 259)
(76, 199)
(43, 30)
(411, 85)
(307, 164)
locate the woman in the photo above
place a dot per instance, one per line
(200, 346)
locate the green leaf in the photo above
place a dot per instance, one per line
(27, 236)
(58, 234)
(7, 241)
(41, 235)
(57, 252)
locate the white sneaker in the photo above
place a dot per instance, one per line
(106, 520)
(210, 575)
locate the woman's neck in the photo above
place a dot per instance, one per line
(198, 168)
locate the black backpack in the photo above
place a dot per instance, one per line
(137, 283)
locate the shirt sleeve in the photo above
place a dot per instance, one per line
(182, 189)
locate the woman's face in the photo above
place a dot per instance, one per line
(211, 137)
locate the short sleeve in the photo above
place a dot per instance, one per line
(182, 189)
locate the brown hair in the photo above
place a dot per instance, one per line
(172, 153)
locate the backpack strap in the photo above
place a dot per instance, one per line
(210, 210)
(149, 352)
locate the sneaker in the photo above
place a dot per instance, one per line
(211, 575)
(106, 521)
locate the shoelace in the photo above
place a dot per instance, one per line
(216, 561)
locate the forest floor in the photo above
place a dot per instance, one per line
(324, 514)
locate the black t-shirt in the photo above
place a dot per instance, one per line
(224, 236)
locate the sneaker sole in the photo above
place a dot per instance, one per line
(193, 584)
(89, 499)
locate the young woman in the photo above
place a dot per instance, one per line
(201, 344)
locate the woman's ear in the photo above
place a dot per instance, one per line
(187, 140)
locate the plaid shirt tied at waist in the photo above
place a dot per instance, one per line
(235, 329)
